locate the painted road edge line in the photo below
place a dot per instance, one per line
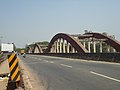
(83, 60)
(98, 74)
(66, 65)
(33, 63)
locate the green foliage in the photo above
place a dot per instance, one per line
(45, 43)
(19, 49)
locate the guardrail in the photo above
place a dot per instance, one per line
(109, 57)
(2, 58)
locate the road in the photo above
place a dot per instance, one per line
(69, 74)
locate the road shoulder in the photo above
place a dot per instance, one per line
(29, 78)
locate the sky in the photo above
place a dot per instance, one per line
(26, 21)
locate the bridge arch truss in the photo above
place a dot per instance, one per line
(95, 38)
(37, 48)
(65, 43)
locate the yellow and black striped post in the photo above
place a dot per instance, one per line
(13, 66)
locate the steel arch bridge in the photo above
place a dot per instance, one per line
(29, 49)
(37, 48)
(86, 43)
(65, 43)
(110, 41)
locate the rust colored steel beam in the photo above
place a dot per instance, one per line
(39, 48)
(74, 42)
(112, 42)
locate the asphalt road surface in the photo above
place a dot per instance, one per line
(71, 74)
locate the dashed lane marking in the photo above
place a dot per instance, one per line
(34, 63)
(51, 62)
(101, 75)
(46, 60)
(82, 60)
(66, 65)
(40, 59)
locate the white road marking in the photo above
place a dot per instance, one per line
(35, 58)
(30, 57)
(82, 60)
(66, 65)
(51, 62)
(34, 62)
(40, 59)
(45, 60)
(117, 80)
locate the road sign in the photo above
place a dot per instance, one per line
(7, 47)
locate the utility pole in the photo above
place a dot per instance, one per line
(0, 42)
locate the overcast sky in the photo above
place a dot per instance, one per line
(25, 21)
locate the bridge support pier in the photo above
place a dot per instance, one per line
(84, 44)
(89, 47)
(60, 41)
(100, 46)
(114, 50)
(68, 48)
(94, 46)
(64, 50)
(73, 49)
(108, 49)
(57, 46)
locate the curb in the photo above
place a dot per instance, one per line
(28, 78)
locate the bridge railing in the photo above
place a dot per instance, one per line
(109, 57)
(2, 58)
